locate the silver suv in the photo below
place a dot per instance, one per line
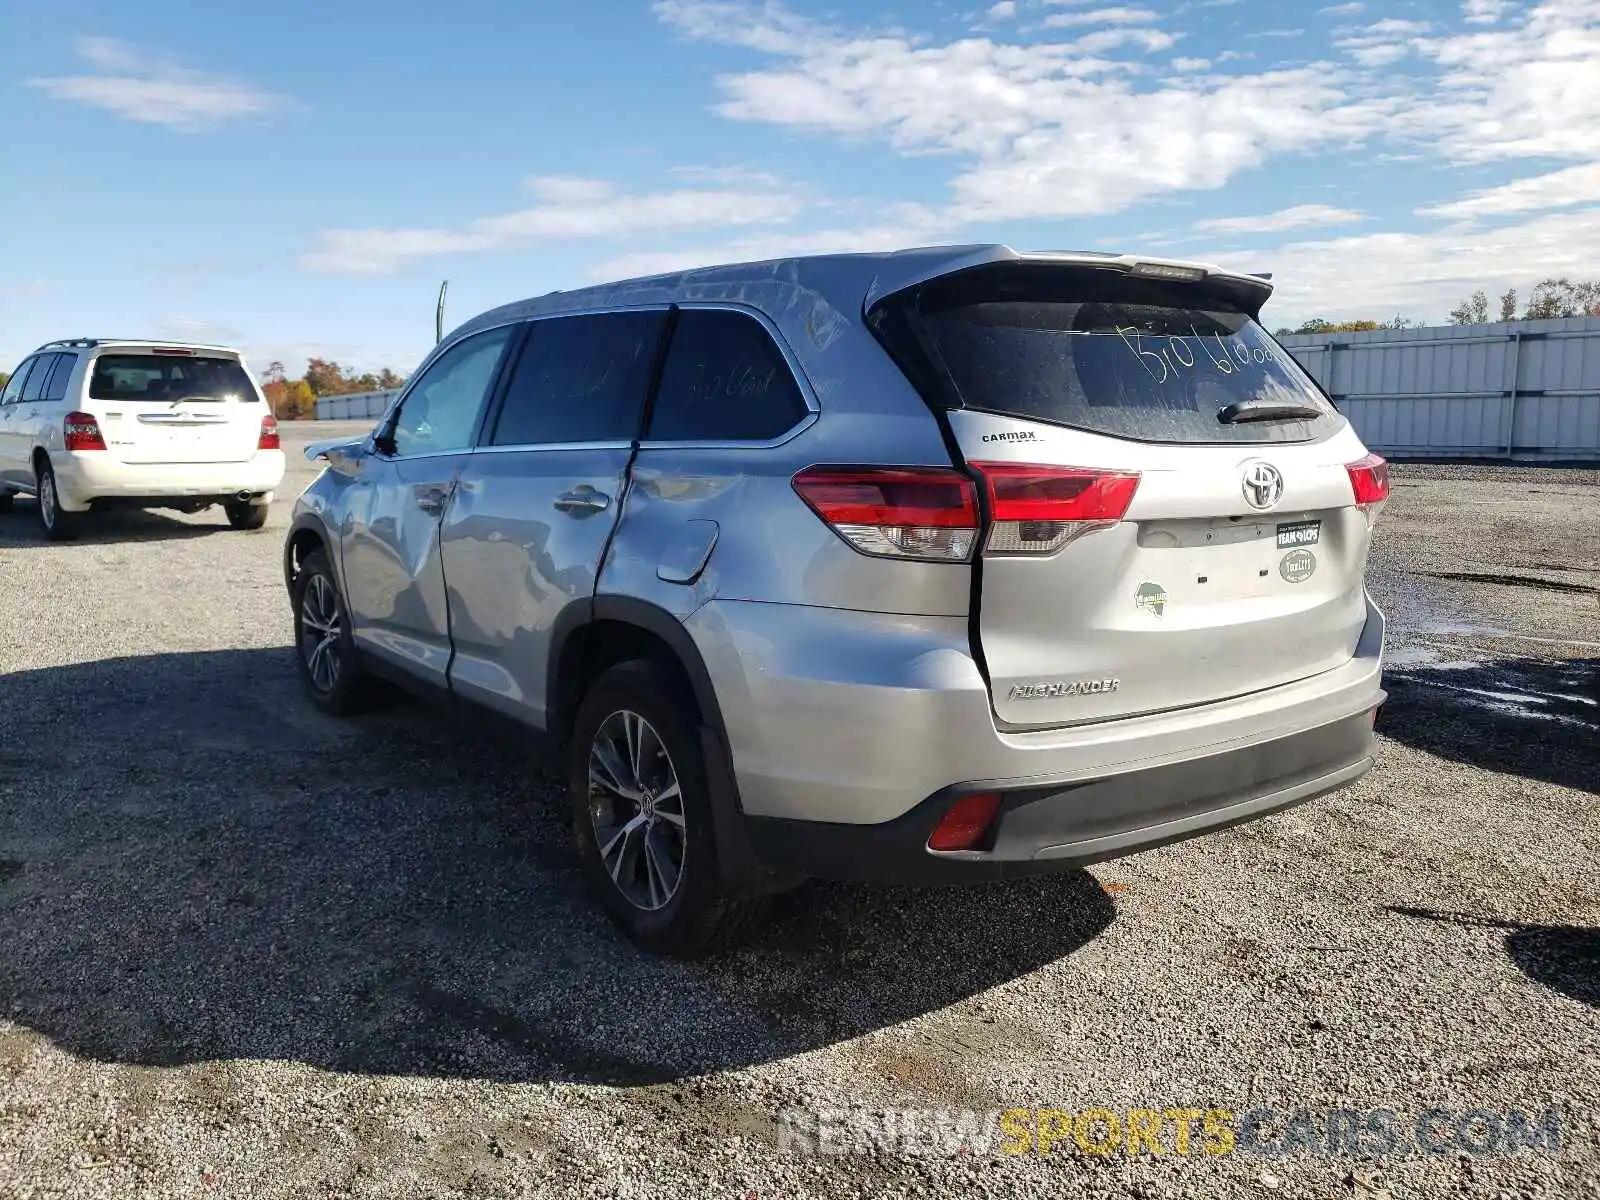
(946, 564)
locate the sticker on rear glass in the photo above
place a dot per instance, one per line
(1298, 533)
(1151, 597)
(1298, 566)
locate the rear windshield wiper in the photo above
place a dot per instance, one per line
(1267, 410)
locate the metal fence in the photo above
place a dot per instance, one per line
(355, 406)
(1526, 390)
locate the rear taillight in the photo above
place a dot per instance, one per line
(81, 431)
(1037, 509)
(269, 434)
(1369, 481)
(967, 823)
(925, 513)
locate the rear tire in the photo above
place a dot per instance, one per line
(641, 814)
(58, 525)
(246, 516)
(325, 648)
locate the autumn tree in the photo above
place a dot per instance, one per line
(299, 401)
(389, 381)
(5, 378)
(324, 377)
(1474, 310)
(1508, 305)
(1549, 298)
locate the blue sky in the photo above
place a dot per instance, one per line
(297, 178)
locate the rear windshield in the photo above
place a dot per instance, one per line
(1100, 351)
(168, 379)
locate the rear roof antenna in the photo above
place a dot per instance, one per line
(438, 315)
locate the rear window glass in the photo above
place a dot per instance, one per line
(1126, 357)
(724, 380)
(580, 379)
(165, 379)
(34, 388)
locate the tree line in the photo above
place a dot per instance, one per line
(296, 399)
(1548, 299)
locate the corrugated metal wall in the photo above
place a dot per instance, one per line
(355, 406)
(1517, 390)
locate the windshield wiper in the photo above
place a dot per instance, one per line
(1267, 410)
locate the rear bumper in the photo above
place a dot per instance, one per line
(93, 475)
(1046, 829)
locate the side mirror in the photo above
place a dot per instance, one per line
(342, 456)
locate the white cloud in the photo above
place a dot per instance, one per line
(1343, 10)
(1038, 131)
(567, 207)
(1420, 274)
(1485, 12)
(1101, 16)
(1558, 189)
(1190, 64)
(1003, 11)
(1301, 216)
(157, 93)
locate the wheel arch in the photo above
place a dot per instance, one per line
(306, 535)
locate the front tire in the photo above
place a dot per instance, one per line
(325, 648)
(58, 525)
(641, 814)
(246, 516)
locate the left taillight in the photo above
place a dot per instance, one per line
(1037, 510)
(269, 439)
(80, 431)
(928, 514)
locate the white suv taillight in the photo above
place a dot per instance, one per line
(269, 439)
(1369, 482)
(1037, 510)
(80, 431)
(925, 513)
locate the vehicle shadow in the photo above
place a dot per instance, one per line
(19, 527)
(230, 874)
(1565, 958)
(1538, 718)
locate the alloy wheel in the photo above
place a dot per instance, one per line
(319, 632)
(636, 804)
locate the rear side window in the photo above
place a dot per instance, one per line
(580, 379)
(724, 380)
(55, 387)
(1103, 352)
(34, 388)
(164, 379)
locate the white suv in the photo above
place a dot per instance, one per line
(88, 424)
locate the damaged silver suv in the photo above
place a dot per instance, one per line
(945, 564)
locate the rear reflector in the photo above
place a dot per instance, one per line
(80, 431)
(1369, 480)
(1038, 509)
(269, 439)
(966, 826)
(924, 513)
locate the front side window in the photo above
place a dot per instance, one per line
(580, 379)
(724, 380)
(167, 379)
(14, 385)
(440, 412)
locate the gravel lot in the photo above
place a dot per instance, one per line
(246, 950)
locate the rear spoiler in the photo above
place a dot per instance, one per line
(1252, 291)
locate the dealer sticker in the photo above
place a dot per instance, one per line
(1298, 533)
(1297, 566)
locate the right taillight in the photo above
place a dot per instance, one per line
(924, 513)
(80, 431)
(269, 439)
(1369, 482)
(1037, 510)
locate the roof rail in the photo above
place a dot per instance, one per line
(73, 342)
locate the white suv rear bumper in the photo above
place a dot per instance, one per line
(85, 476)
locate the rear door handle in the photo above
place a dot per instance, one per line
(431, 498)
(582, 500)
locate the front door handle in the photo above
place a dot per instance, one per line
(431, 498)
(582, 500)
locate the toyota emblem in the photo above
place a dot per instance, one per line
(1263, 485)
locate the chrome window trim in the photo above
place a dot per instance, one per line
(808, 395)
